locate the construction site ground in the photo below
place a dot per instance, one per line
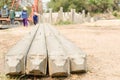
(99, 40)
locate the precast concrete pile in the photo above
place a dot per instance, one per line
(45, 51)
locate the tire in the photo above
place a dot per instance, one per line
(17, 23)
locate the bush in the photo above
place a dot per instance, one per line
(116, 14)
(63, 22)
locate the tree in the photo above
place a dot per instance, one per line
(67, 4)
(5, 2)
(100, 5)
(88, 5)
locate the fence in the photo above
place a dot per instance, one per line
(72, 16)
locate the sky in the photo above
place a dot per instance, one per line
(45, 0)
(44, 3)
(32, 1)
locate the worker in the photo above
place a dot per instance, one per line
(35, 18)
(12, 16)
(25, 16)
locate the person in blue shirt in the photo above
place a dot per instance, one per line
(25, 16)
(35, 18)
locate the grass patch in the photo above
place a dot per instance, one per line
(7, 77)
(4, 77)
(63, 22)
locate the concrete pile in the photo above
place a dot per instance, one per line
(37, 55)
(58, 60)
(45, 49)
(16, 56)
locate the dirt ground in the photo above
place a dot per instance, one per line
(100, 43)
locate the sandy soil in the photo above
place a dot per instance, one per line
(101, 44)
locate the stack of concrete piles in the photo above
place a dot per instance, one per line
(76, 56)
(15, 58)
(45, 49)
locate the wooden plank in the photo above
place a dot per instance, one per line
(58, 60)
(77, 57)
(15, 59)
(37, 56)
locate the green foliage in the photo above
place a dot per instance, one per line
(63, 22)
(67, 4)
(100, 5)
(88, 5)
(9, 4)
(4, 77)
(5, 2)
(116, 14)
